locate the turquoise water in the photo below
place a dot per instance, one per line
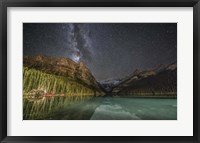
(120, 108)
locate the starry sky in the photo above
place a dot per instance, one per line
(109, 50)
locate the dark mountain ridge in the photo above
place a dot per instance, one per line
(160, 80)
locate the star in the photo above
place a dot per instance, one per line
(109, 50)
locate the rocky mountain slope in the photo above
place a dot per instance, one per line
(161, 80)
(65, 70)
(108, 85)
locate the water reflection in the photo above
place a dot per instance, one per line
(104, 108)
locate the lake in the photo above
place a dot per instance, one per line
(119, 108)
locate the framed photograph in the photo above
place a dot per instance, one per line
(103, 71)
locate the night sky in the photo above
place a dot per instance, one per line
(109, 50)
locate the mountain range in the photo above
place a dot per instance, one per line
(161, 80)
(77, 79)
(63, 67)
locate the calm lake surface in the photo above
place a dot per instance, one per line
(119, 108)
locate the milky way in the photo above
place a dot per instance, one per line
(110, 50)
